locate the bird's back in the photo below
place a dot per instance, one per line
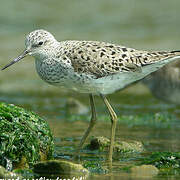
(102, 59)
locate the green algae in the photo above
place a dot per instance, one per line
(95, 167)
(167, 162)
(25, 137)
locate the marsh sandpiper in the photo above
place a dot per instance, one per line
(92, 67)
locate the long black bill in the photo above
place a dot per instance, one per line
(21, 56)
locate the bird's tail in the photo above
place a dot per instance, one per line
(177, 52)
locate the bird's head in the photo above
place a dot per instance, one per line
(37, 44)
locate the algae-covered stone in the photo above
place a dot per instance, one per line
(60, 168)
(133, 146)
(119, 146)
(25, 137)
(4, 174)
(166, 162)
(144, 171)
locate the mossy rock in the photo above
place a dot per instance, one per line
(144, 171)
(119, 146)
(60, 168)
(166, 162)
(25, 137)
(4, 174)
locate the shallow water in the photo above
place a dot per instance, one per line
(141, 24)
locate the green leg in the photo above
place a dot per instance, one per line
(91, 124)
(113, 129)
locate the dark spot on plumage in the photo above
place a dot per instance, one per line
(113, 52)
(79, 52)
(102, 54)
(125, 69)
(105, 63)
(120, 64)
(162, 52)
(79, 69)
(102, 65)
(117, 68)
(124, 49)
(88, 58)
(103, 50)
(93, 50)
(155, 54)
(120, 60)
(139, 57)
(145, 58)
(109, 66)
(82, 56)
(110, 46)
(64, 58)
(75, 57)
(124, 55)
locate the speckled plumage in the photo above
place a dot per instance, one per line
(91, 66)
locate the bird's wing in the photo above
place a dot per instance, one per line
(102, 59)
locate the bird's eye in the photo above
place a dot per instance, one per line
(40, 43)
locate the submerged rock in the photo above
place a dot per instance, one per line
(144, 171)
(25, 137)
(119, 146)
(60, 168)
(4, 174)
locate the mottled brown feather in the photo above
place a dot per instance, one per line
(102, 59)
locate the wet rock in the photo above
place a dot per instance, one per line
(60, 168)
(144, 171)
(119, 146)
(4, 174)
(74, 106)
(99, 142)
(134, 146)
(25, 137)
